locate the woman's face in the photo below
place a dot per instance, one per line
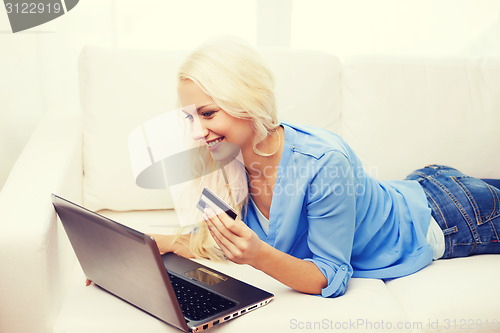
(212, 125)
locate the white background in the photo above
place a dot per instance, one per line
(38, 67)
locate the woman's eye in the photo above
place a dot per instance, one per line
(208, 114)
(189, 117)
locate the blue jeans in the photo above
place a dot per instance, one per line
(467, 209)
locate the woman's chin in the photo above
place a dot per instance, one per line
(225, 150)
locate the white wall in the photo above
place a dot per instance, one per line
(399, 27)
(38, 68)
(39, 74)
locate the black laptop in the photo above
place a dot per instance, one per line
(128, 264)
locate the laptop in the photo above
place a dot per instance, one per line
(128, 264)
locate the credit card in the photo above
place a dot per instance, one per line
(210, 199)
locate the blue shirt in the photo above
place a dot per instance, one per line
(326, 209)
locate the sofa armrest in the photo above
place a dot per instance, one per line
(35, 254)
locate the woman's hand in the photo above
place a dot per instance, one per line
(168, 243)
(239, 243)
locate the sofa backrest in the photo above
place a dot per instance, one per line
(120, 89)
(402, 113)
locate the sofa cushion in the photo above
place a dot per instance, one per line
(307, 86)
(120, 89)
(453, 295)
(402, 113)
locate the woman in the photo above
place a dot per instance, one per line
(313, 217)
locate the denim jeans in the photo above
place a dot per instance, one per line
(467, 209)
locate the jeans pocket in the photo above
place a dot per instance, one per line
(484, 199)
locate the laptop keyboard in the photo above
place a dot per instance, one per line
(198, 303)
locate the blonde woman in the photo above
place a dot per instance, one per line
(313, 218)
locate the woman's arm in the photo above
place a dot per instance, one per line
(241, 245)
(301, 275)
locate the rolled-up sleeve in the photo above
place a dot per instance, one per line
(331, 213)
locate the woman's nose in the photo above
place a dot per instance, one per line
(198, 132)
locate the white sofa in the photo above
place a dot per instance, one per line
(398, 113)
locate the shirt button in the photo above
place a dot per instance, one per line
(343, 268)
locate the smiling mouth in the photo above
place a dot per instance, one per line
(212, 143)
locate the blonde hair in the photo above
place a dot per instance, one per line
(238, 80)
